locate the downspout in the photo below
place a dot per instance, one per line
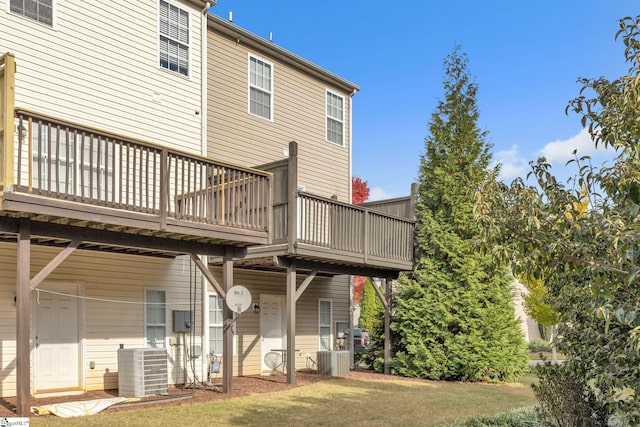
(203, 141)
(351, 278)
(203, 75)
(351, 143)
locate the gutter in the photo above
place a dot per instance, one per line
(249, 39)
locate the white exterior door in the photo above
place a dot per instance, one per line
(271, 326)
(57, 337)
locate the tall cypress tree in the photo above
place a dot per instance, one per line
(453, 314)
(371, 309)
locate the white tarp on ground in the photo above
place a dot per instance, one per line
(78, 409)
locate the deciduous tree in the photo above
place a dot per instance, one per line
(359, 190)
(588, 262)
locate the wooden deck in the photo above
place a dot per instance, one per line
(68, 174)
(339, 238)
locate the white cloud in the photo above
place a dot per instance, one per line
(560, 151)
(512, 164)
(378, 193)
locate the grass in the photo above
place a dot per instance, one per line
(334, 402)
(520, 417)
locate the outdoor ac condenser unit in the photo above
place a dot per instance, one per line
(142, 372)
(334, 363)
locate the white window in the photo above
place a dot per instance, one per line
(39, 10)
(335, 118)
(174, 38)
(260, 88)
(155, 319)
(215, 324)
(324, 325)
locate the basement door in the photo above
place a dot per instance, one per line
(271, 326)
(57, 338)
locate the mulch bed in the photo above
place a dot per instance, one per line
(241, 386)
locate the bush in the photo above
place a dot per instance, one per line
(539, 345)
(521, 417)
(565, 398)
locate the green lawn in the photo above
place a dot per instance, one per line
(334, 402)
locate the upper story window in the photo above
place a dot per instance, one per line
(38, 10)
(174, 38)
(260, 88)
(335, 118)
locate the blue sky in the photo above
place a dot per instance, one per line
(524, 56)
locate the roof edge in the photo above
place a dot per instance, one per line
(252, 40)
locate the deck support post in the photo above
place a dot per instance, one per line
(387, 327)
(291, 322)
(227, 345)
(23, 320)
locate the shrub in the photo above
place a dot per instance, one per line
(539, 344)
(521, 417)
(565, 398)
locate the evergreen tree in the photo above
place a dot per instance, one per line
(371, 309)
(453, 314)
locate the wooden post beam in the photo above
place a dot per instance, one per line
(292, 197)
(305, 283)
(7, 108)
(387, 328)
(207, 274)
(53, 264)
(291, 323)
(23, 321)
(227, 314)
(381, 297)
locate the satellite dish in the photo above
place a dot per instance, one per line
(238, 299)
(273, 360)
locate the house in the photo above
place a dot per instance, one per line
(154, 157)
(283, 114)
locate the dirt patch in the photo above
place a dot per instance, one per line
(241, 386)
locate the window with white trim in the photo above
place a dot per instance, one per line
(335, 118)
(215, 324)
(260, 88)
(174, 38)
(324, 325)
(38, 10)
(155, 319)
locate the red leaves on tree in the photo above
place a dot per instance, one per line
(359, 190)
(358, 288)
(359, 194)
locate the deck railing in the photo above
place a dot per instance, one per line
(330, 224)
(65, 161)
(347, 228)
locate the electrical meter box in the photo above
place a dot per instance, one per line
(181, 320)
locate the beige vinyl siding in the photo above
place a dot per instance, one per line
(248, 355)
(299, 114)
(112, 309)
(100, 67)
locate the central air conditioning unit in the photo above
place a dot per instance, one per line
(142, 372)
(334, 363)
